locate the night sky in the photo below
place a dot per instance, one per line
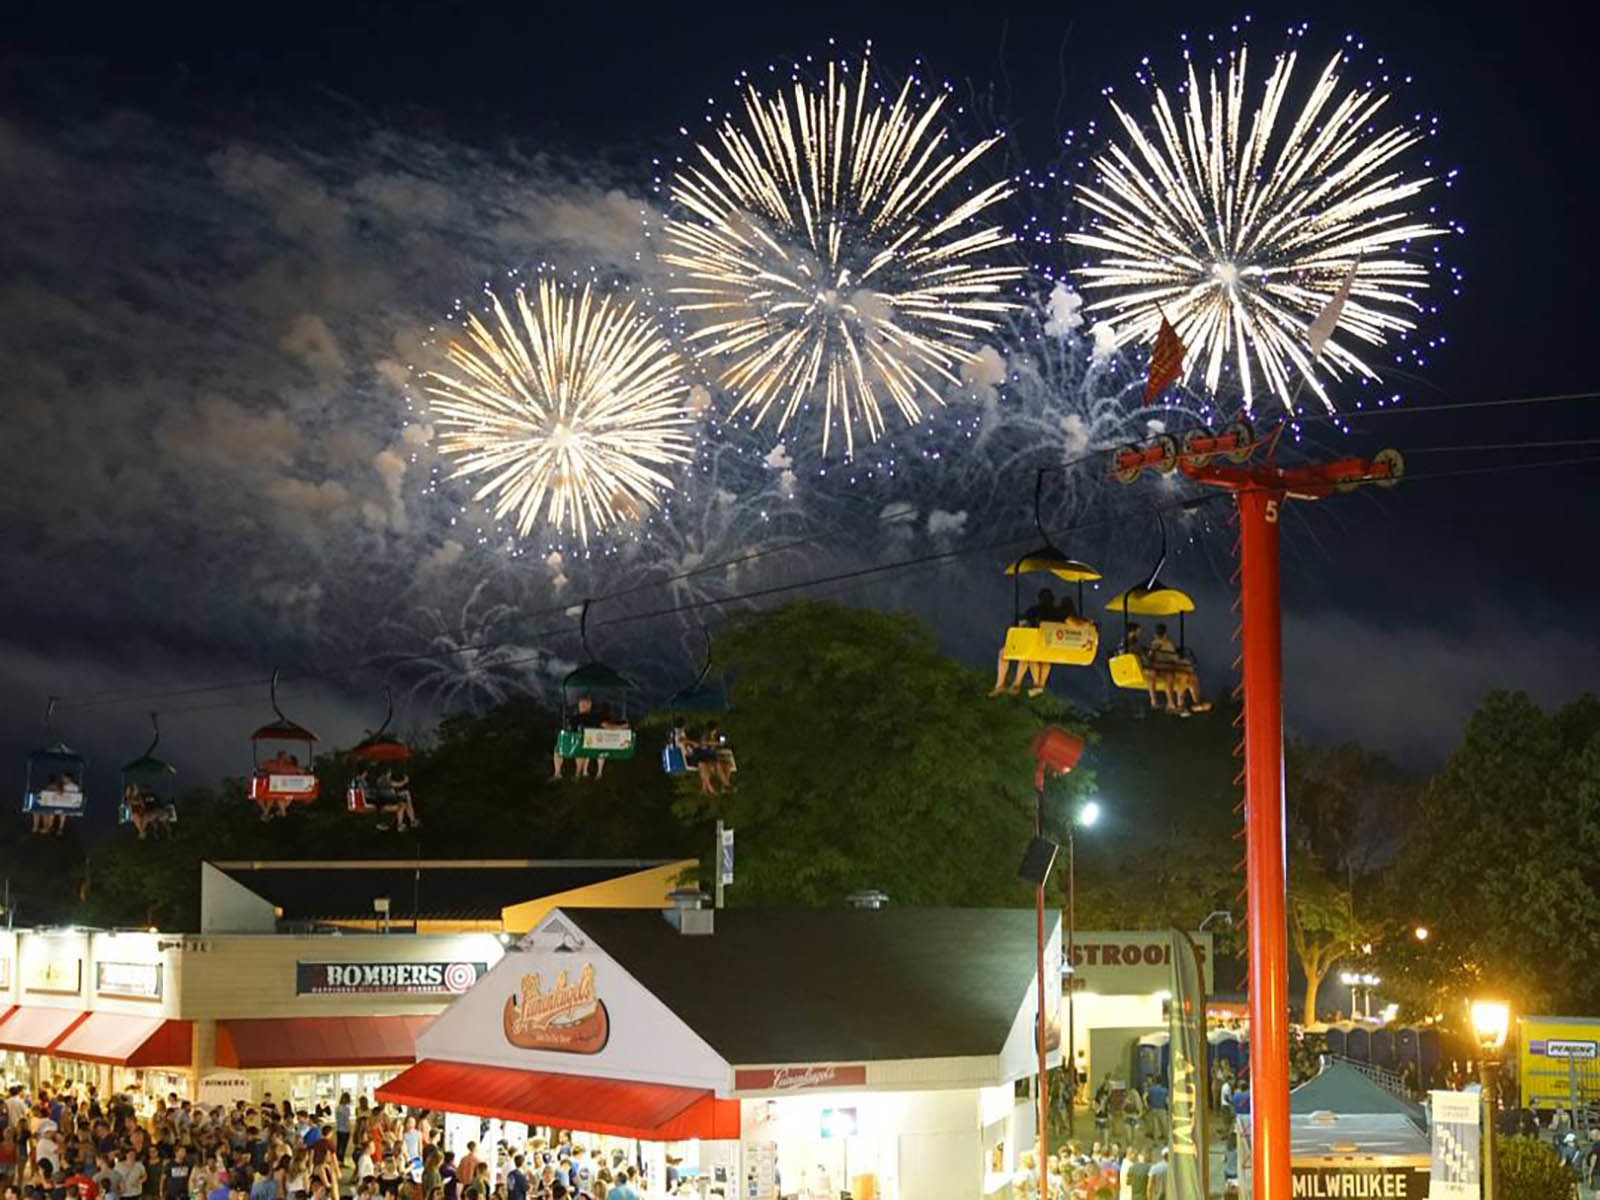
(225, 232)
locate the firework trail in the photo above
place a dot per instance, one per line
(831, 250)
(475, 659)
(572, 403)
(1239, 216)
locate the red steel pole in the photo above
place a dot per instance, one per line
(1264, 840)
(1044, 1079)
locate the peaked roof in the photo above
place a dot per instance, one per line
(1344, 1090)
(445, 889)
(839, 985)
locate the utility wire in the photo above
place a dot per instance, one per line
(1188, 502)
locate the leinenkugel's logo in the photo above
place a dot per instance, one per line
(570, 1017)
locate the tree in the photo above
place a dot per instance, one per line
(481, 789)
(1344, 807)
(869, 759)
(1322, 924)
(1502, 864)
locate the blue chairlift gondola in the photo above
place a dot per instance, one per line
(53, 783)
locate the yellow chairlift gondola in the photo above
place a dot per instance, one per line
(1050, 632)
(1155, 665)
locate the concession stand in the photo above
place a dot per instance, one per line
(305, 979)
(762, 1053)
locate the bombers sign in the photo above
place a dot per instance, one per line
(386, 978)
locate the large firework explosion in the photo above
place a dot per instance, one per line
(1238, 219)
(572, 404)
(831, 250)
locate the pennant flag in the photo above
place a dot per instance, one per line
(1166, 361)
(1187, 1164)
(1320, 330)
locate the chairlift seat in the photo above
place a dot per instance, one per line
(56, 801)
(595, 741)
(269, 786)
(355, 798)
(1073, 642)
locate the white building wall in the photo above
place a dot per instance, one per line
(227, 906)
(922, 1145)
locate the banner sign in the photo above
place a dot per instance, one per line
(136, 981)
(60, 976)
(725, 866)
(1131, 963)
(1563, 1048)
(386, 978)
(799, 1078)
(1186, 1170)
(224, 1088)
(1453, 1128)
(1361, 1183)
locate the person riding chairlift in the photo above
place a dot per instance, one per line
(394, 796)
(145, 810)
(1047, 608)
(63, 789)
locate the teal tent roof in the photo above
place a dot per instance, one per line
(1344, 1090)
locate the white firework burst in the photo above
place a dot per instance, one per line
(572, 403)
(831, 250)
(1239, 222)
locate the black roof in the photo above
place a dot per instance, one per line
(832, 985)
(452, 889)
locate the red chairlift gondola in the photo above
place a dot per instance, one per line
(391, 791)
(280, 778)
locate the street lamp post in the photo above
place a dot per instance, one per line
(1490, 1023)
(1055, 751)
(1085, 816)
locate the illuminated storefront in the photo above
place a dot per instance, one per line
(875, 1050)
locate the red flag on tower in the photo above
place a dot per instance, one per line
(1166, 361)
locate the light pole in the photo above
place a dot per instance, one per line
(1352, 981)
(1086, 816)
(1490, 1022)
(1054, 751)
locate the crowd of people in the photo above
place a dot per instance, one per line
(69, 1143)
(1103, 1171)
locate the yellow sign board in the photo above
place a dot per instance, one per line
(1555, 1056)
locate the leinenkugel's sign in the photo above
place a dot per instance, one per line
(386, 978)
(1360, 1183)
(570, 1018)
(799, 1078)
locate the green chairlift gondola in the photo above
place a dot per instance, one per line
(594, 702)
(146, 803)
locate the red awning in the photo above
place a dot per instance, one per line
(655, 1112)
(318, 1041)
(126, 1040)
(34, 1030)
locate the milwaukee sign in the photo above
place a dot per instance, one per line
(392, 978)
(798, 1078)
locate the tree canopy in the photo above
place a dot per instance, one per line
(1502, 865)
(870, 759)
